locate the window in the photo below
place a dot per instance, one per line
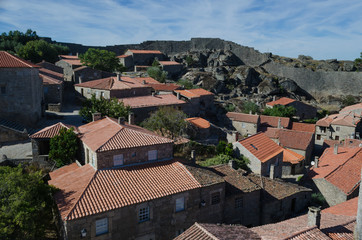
(238, 203)
(215, 198)
(144, 214)
(134, 154)
(2, 89)
(243, 125)
(152, 155)
(180, 204)
(336, 138)
(102, 94)
(118, 160)
(338, 129)
(323, 129)
(318, 137)
(88, 91)
(101, 226)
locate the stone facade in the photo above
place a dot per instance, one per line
(172, 70)
(199, 106)
(85, 74)
(108, 94)
(53, 93)
(292, 169)
(126, 61)
(246, 128)
(21, 95)
(144, 58)
(336, 132)
(68, 69)
(11, 135)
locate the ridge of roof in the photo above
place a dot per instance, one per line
(206, 232)
(10, 61)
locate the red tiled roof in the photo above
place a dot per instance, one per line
(312, 233)
(291, 156)
(106, 135)
(75, 62)
(149, 101)
(88, 192)
(295, 139)
(8, 60)
(343, 119)
(243, 117)
(170, 87)
(347, 208)
(303, 127)
(145, 51)
(111, 83)
(148, 80)
(49, 80)
(282, 101)
(123, 56)
(194, 93)
(169, 63)
(199, 122)
(51, 131)
(208, 231)
(335, 167)
(261, 146)
(271, 121)
(351, 108)
(272, 132)
(51, 73)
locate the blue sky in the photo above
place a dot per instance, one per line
(322, 29)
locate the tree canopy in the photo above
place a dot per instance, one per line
(63, 147)
(358, 61)
(15, 39)
(169, 121)
(102, 60)
(25, 204)
(250, 106)
(156, 72)
(106, 107)
(280, 111)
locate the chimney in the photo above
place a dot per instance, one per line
(232, 164)
(250, 112)
(193, 156)
(335, 148)
(316, 162)
(271, 175)
(121, 120)
(314, 217)
(279, 123)
(77, 54)
(358, 228)
(274, 98)
(96, 116)
(131, 118)
(80, 79)
(153, 94)
(235, 136)
(144, 82)
(118, 77)
(178, 95)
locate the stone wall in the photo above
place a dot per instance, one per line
(245, 128)
(304, 111)
(331, 193)
(22, 99)
(10, 135)
(53, 93)
(67, 70)
(164, 221)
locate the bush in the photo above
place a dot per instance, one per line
(225, 148)
(280, 111)
(230, 107)
(202, 151)
(186, 84)
(63, 147)
(250, 106)
(157, 73)
(223, 159)
(318, 199)
(348, 100)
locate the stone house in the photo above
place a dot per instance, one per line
(337, 173)
(199, 128)
(275, 122)
(85, 74)
(53, 92)
(356, 109)
(200, 101)
(297, 141)
(21, 90)
(338, 127)
(159, 88)
(144, 57)
(265, 156)
(245, 124)
(143, 106)
(52, 67)
(337, 222)
(126, 61)
(293, 163)
(171, 67)
(303, 111)
(68, 63)
(113, 87)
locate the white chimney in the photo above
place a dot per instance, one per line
(178, 95)
(96, 116)
(279, 123)
(316, 162)
(335, 148)
(131, 118)
(271, 173)
(118, 77)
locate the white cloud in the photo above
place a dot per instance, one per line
(322, 29)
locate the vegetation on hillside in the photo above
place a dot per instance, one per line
(156, 72)
(249, 106)
(280, 111)
(63, 147)
(102, 60)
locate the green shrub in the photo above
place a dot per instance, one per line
(250, 106)
(186, 83)
(230, 107)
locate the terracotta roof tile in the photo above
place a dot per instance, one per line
(51, 73)
(351, 108)
(123, 56)
(261, 146)
(272, 132)
(50, 80)
(271, 121)
(145, 51)
(52, 130)
(204, 175)
(292, 157)
(243, 117)
(208, 231)
(312, 233)
(282, 101)
(8, 60)
(343, 119)
(75, 62)
(194, 93)
(148, 80)
(342, 232)
(335, 167)
(106, 135)
(295, 139)
(111, 83)
(170, 87)
(149, 101)
(169, 63)
(303, 127)
(347, 208)
(108, 189)
(199, 122)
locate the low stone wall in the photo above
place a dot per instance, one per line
(55, 107)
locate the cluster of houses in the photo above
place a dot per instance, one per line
(127, 184)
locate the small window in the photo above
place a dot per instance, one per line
(118, 160)
(134, 154)
(144, 214)
(243, 125)
(101, 226)
(215, 198)
(180, 204)
(336, 138)
(338, 129)
(102, 94)
(152, 155)
(3, 89)
(238, 203)
(88, 91)
(318, 137)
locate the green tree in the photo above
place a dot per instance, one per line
(250, 106)
(186, 83)
(348, 100)
(63, 147)
(25, 204)
(102, 60)
(225, 148)
(155, 63)
(358, 61)
(106, 107)
(169, 121)
(241, 162)
(15, 39)
(157, 73)
(280, 111)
